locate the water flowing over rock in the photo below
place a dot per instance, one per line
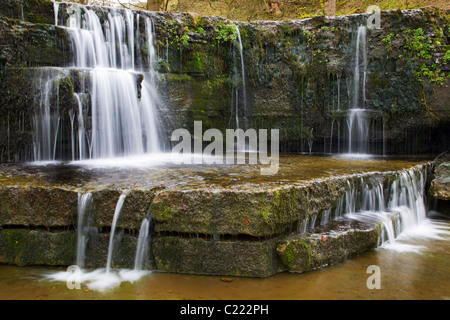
(91, 82)
(299, 78)
(223, 230)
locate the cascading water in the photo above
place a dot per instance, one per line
(398, 207)
(402, 211)
(359, 74)
(84, 203)
(363, 128)
(105, 278)
(113, 230)
(357, 122)
(117, 59)
(143, 242)
(244, 88)
(46, 118)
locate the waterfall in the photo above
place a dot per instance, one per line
(84, 203)
(142, 245)
(325, 217)
(338, 93)
(47, 117)
(310, 140)
(357, 122)
(358, 129)
(397, 208)
(121, 85)
(331, 136)
(113, 230)
(244, 88)
(359, 85)
(303, 226)
(106, 279)
(82, 154)
(403, 209)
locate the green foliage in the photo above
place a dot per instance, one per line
(225, 32)
(388, 42)
(434, 76)
(184, 40)
(421, 44)
(318, 55)
(195, 64)
(422, 47)
(180, 36)
(201, 31)
(446, 57)
(310, 38)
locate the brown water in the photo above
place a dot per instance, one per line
(405, 276)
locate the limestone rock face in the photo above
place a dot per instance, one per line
(440, 186)
(302, 253)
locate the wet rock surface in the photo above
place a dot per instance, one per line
(342, 240)
(440, 186)
(202, 225)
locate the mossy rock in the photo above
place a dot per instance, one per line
(37, 206)
(58, 248)
(296, 254)
(216, 257)
(302, 253)
(34, 11)
(35, 247)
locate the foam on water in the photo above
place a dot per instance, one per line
(355, 156)
(426, 230)
(402, 213)
(141, 161)
(100, 279)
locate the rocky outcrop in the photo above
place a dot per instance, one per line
(33, 11)
(217, 257)
(207, 229)
(302, 253)
(440, 186)
(21, 246)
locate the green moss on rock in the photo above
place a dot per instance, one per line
(34, 11)
(302, 253)
(25, 247)
(201, 256)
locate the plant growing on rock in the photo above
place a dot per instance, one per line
(388, 42)
(424, 47)
(225, 32)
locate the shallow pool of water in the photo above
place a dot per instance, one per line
(159, 170)
(413, 274)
